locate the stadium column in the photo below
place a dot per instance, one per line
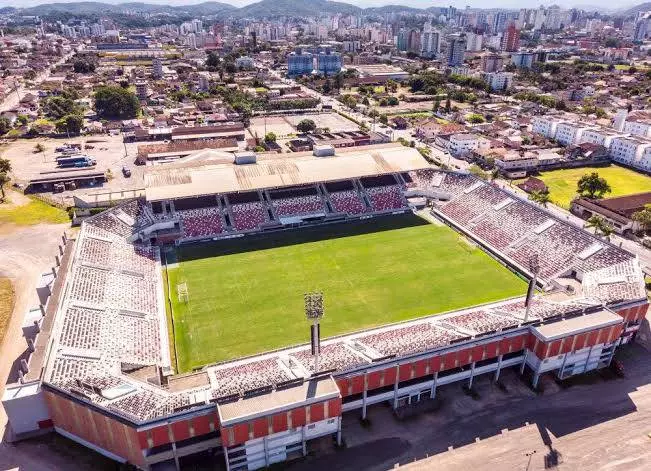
(435, 378)
(524, 360)
(499, 368)
(339, 432)
(472, 375)
(364, 395)
(395, 387)
(228, 464)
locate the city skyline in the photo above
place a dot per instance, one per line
(506, 4)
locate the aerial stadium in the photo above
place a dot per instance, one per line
(247, 302)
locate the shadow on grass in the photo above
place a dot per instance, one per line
(302, 235)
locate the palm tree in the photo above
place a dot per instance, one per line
(5, 168)
(600, 226)
(540, 197)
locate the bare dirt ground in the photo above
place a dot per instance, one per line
(109, 151)
(25, 253)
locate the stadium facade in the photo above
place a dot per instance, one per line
(100, 372)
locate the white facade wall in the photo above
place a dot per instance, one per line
(638, 128)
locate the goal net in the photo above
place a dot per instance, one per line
(182, 292)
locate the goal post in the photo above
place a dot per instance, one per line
(182, 292)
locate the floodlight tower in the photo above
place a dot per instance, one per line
(534, 268)
(314, 312)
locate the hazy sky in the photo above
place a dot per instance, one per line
(605, 4)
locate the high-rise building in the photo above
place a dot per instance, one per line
(499, 21)
(430, 42)
(413, 41)
(157, 68)
(511, 39)
(141, 90)
(456, 50)
(402, 40)
(474, 42)
(328, 62)
(641, 31)
(492, 63)
(299, 63)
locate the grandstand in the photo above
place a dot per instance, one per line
(101, 373)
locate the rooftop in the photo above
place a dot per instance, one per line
(179, 180)
(577, 325)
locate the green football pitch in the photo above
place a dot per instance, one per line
(246, 295)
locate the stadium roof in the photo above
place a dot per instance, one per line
(183, 181)
(577, 325)
(279, 399)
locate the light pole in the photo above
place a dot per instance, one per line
(314, 312)
(534, 267)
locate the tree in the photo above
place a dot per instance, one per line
(5, 125)
(448, 105)
(392, 101)
(114, 102)
(5, 168)
(84, 66)
(384, 119)
(600, 226)
(270, 137)
(475, 118)
(437, 105)
(22, 119)
(57, 107)
(306, 125)
(593, 186)
(213, 59)
(38, 148)
(540, 197)
(70, 124)
(391, 86)
(643, 216)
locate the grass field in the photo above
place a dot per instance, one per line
(562, 183)
(33, 212)
(246, 296)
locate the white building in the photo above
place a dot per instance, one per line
(568, 133)
(474, 42)
(545, 125)
(499, 80)
(632, 151)
(600, 136)
(461, 144)
(638, 126)
(244, 62)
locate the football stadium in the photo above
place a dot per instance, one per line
(247, 302)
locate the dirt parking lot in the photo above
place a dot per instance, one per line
(109, 152)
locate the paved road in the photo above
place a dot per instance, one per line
(594, 426)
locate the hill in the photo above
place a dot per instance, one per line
(94, 8)
(632, 11)
(295, 8)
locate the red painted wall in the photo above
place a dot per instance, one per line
(96, 428)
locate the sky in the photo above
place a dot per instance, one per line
(515, 4)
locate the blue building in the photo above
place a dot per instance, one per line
(328, 62)
(299, 63)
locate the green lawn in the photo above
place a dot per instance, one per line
(34, 212)
(562, 183)
(246, 296)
